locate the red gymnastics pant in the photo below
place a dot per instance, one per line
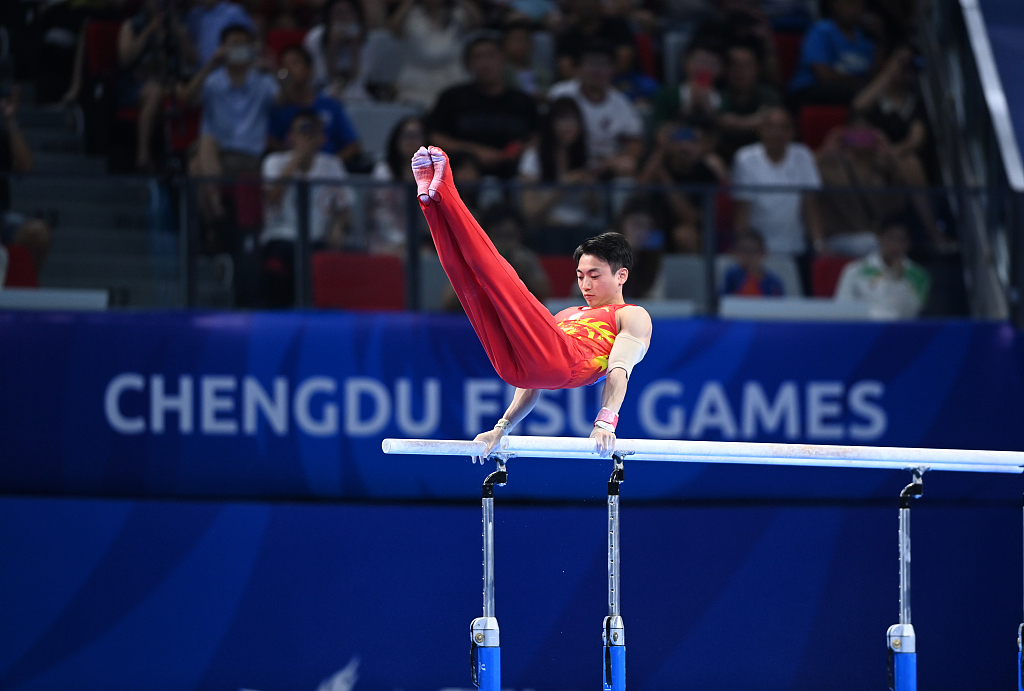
(519, 334)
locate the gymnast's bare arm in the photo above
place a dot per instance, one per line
(633, 321)
(521, 405)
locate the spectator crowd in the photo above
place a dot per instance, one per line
(777, 128)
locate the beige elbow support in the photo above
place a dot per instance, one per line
(626, 352)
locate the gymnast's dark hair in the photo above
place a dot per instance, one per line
(609, 247)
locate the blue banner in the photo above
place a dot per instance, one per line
(118, 595)
(294, 405)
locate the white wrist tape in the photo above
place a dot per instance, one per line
(626, 352)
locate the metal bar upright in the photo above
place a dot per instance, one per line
(1020, 656)
(614, 633)
(484, 650)
(902, 642)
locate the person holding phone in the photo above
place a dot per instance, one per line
(236, 98)
(697, 94)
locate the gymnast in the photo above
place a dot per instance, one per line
(528, 347)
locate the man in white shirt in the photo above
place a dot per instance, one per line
(783, 219)
(328, 205)
(893, 286)
(613, 125)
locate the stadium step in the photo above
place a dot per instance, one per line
(86, 215)
(68, 164)
(123, 241)
(47, 189)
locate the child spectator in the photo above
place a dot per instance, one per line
(207, 21)
(328, 205)
(154, 50)
(485, 117)
(338, 48)
(745, 98)
(236, 100)
(549, 169)
(297, 94)
(612, 123)
(642, 228)
(433, 32)
(892, 285)
(837, 58)
(696, 95)
(748, 277)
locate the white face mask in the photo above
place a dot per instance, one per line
(240, 55)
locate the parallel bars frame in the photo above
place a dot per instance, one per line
(901, 638)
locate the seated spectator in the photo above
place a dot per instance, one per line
(696, 95)
(837, 58)
(745, 98)
(640, 224)
(748, 277)
(521, 72)
(613, 125)
(478, 191)
(16, 157)
(236, 100)
(587, 23)
(484, 117)
(684, 154)
(892, 285)
(433, 32)
(154, 50)
(337, 46)
(297, 94)
(207, 21)
(858, 161)
(747, 22)
(328, 205)
(783, 219)
(388, 205)
(505, 229)
(558, 159)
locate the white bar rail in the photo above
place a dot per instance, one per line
(729, 452)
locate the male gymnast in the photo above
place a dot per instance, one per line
(528, 347)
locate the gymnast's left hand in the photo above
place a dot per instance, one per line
(491, 438)
(605, 441)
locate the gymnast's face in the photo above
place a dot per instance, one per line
(599, 285)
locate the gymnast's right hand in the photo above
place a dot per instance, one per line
(491, 438)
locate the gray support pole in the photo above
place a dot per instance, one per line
(902, 640)
(412, 249)
(302, 207)
(708, 239)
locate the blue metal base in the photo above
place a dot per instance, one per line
(488, 669)
(904, 671)
(616, 656)
(1020, 671)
